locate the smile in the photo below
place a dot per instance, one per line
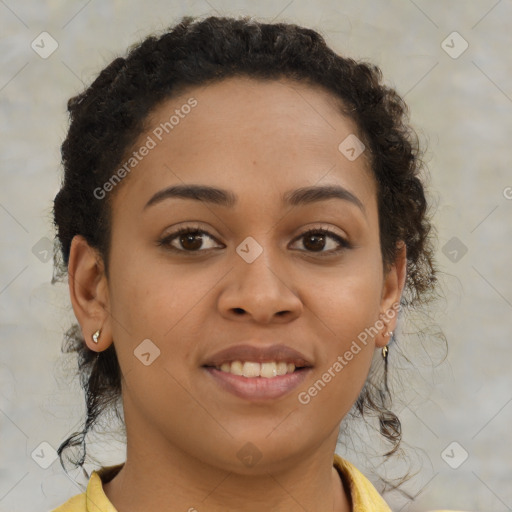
(249, 369)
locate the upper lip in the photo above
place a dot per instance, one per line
(258, 354)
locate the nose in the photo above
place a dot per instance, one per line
(260, 292)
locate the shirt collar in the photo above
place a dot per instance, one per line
(363, 494)
(96, 499)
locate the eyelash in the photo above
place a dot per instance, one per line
(165, 241)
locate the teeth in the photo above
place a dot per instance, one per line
(236, 368)
(251, 369)
(268, 370)
(281, 368)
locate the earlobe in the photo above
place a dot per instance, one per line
(89, 292)
(392, 289)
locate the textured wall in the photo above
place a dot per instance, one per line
(461, 104)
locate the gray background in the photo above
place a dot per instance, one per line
(462, 109)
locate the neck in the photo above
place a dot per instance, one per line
(169, 480)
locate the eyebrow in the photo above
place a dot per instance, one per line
(222, 197)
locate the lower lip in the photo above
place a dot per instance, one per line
(258, 388)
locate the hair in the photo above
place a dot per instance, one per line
(107, 118)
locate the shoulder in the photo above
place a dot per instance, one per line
(362, 492)
(94, 498)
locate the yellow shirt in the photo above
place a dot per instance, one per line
(365, 497)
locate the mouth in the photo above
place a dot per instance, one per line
(258, 373)
(253, 369)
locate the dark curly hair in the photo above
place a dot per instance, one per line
(107, 118)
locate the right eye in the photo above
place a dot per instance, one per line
(190, 240)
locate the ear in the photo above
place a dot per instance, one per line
(393, 285)
(89, 293)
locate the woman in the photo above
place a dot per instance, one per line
(241, 219)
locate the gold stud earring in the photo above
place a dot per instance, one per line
(96, 335)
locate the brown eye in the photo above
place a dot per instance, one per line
(186, 240)
(315, 240)
(190, 241)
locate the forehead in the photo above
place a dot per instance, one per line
(249, 135)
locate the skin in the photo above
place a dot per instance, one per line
(258, 140)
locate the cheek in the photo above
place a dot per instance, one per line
(345, 300)
(159, 301)
(344, 311)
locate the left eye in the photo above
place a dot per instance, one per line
(319, 237)
(191, 240)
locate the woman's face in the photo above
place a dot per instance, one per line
(250, 275)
